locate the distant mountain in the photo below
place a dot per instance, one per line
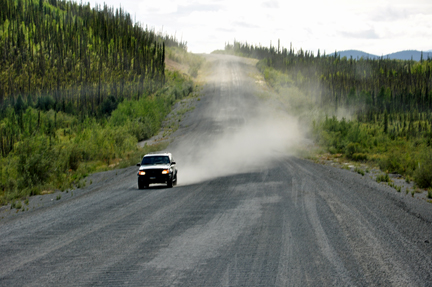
(408, 55)
(356, 54)
(402, 55)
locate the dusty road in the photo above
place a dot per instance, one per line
(244, 214)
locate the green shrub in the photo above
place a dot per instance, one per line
(359, 171)
(383, 178)
(141, 129)
(423, 174)
(193, 70)
(429, 192)
(351, 149)
(75, 157)
(34, 162)
(394, 163)
(332, 150)
(16, 205)
(359, 157)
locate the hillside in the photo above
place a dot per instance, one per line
(79, 87)
(73, 58)
(355, 54)
(402, 55)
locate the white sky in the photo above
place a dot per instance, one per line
(373, 26)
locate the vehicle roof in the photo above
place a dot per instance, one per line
(159, 154)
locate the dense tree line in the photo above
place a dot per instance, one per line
(244, 49)
(371, 85)
(73, 59)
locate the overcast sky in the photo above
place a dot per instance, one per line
(373, 26)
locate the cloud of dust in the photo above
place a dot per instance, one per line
(247, 148)
(245, 133)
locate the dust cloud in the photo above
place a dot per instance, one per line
(233, 130)
(251, 147)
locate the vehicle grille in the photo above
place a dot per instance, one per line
(153, 172)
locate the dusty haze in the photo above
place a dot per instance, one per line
(235, 131)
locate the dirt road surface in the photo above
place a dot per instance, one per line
(245, 213)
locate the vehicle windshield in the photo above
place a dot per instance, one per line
(152, 160)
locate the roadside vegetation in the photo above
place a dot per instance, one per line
(192, 61)
(79, 87)
(373, 111)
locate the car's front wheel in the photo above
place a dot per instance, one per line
(170, 183)
(175, 179)
(142, 185)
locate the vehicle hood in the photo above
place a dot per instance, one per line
(158, 166)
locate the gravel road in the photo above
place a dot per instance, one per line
(245, 213)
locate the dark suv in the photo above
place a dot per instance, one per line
(157, 168)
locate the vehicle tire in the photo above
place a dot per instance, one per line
(175, 181)
(170, 183)
(142, 185)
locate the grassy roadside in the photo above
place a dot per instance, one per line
(57, 150)
(406, 153)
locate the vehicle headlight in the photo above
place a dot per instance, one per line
(165, 171)
(141, 172)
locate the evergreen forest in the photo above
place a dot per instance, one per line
(79, 86)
